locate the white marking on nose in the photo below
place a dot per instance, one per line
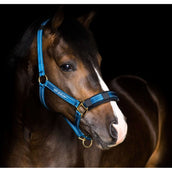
(102, 83)
(121, 127)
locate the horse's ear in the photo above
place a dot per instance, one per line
(58, 18)
(86, 19)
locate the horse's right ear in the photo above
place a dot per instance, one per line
(58, 18)
(86, 19)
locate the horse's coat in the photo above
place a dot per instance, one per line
(42, 138)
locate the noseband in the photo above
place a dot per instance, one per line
(81, 106)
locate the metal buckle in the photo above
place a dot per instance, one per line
(82, 109)
(83, 142)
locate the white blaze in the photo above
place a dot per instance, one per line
(121, 127)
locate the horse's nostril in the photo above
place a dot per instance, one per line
(113, 131)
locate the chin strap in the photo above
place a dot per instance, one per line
(81, 107)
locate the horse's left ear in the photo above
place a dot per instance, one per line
(86, 19)
(58, 18)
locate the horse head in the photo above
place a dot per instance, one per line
(72, 63)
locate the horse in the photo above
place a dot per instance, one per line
(64, 113)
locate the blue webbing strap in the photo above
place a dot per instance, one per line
(69, 100)
(41, 63)
(100, 98)
(39, 50)
(62, 94)
(75, 126)
(41, 94)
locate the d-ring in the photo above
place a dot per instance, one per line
(83, 142)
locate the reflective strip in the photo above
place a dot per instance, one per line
(62, 94)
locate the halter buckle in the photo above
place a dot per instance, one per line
(82, 109)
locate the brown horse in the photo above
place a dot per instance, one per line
(42, 138)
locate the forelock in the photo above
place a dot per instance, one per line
(79, 39)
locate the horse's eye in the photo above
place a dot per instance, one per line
(67, 67)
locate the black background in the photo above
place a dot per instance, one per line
(132, 39)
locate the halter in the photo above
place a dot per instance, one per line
(81, 106)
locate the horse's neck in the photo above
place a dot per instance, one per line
(38, 131)
(28, 110)
(48, 140)
(39, 121)
(44, 136)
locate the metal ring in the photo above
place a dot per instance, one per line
(87, 146)
(39, 79)
(83, 142)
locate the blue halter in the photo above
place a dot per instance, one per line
(81, 107)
